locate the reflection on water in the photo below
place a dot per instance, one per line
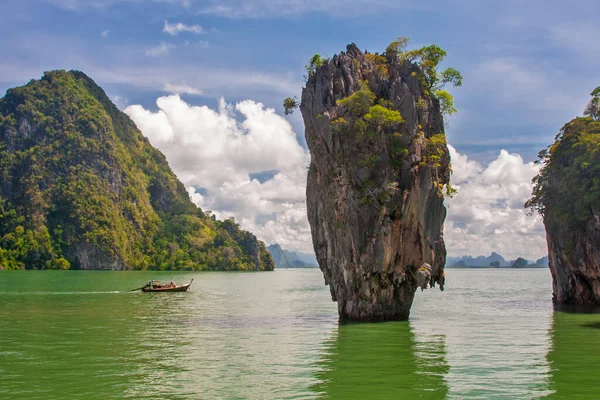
(492, 334)
(573, 357)
(495, 324)
(382, 360)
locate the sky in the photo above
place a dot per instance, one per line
(204, 81)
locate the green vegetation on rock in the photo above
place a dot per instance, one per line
(568, 185)
(81, 187)
(290, 104)
(431, 78)
(315, 62)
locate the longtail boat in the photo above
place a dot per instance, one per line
(156, 286)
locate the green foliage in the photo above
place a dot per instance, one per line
(369, 118)
(450, 191)
(290, 104)
(593, 108)
(398, 46)
(429, 58)
(451, 75)
(79, 177)
(397, 153)
(432, 80)
(436, 148)
(359, 102)
(380, 65)
(60, 264)
(446, 102)
(567, 188)
(315, 62)
(382, 117)
(339, 121)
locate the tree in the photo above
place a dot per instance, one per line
(593, 107)
(432, 80)
(567, 187)
(398, 46)
(315, 62)
(290, 104)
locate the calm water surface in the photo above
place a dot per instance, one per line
(491, 334)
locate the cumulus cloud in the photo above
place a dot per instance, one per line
(244, 161)
(105, 33)
(487, 213)
(160, 50)
(176, 28)
(221, 155)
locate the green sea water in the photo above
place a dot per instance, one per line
(492, 334)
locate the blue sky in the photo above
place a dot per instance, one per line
(528, 68)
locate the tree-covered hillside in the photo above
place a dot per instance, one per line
(568, 186)
(81, 187)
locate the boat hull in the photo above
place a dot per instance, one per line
(169, 289)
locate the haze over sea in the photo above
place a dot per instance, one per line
(491, 334)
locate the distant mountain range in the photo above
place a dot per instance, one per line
(289, 259)
(494, 260)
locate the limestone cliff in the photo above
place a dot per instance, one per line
(567, 195)
(379, 165)
(82, 188)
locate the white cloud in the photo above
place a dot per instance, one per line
(487, 214)
(160, 50)
(210, 149)
(105, 33)
(177, 28)
(181, 89)
(218, 151)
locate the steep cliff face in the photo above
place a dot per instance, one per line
(574, 261)
(81, 187)
(567, 195)
(378, 170)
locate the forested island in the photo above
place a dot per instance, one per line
(566, 194)
(82, 188)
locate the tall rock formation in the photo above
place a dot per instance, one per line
(81, 187)
(567, 195)
(375, 186)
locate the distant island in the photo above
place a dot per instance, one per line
(289, 259)
(494, 260)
